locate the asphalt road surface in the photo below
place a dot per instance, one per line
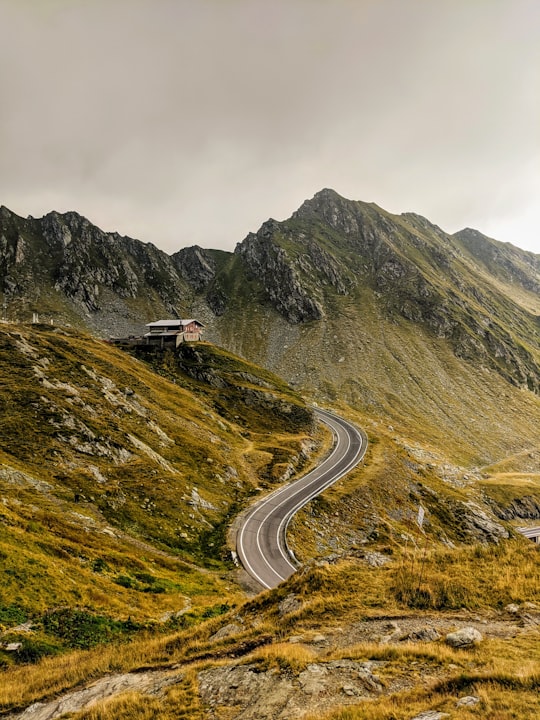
(261, 540)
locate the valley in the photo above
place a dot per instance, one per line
(124, 470)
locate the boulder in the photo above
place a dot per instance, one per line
(427, 634)
(226, 631)
(13, 647)
(312, 679)
(465, 637)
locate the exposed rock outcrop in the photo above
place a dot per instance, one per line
(268, 262)
(468, 521)
(63, 266)
(526, 507)
(195, 265)
(402, 267)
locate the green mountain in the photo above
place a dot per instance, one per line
(123, 467)
(119, 478)
(331, 257)
(334, 257)
(391, 315)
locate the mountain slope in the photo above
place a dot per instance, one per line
(119, 478)
(388, 314)
(517, 271)
(121, 470)
(343, 299)
(69, 271)
(333, 248)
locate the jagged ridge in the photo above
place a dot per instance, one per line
(458, 288)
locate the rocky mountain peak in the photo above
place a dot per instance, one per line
(322, 198)
(470, 233)
(196, 265)
(330, 207)
(503, 260)
(5, 213)
(59, 226)
(475, 239)
(268, 262)
(62, 266)
(332, 246)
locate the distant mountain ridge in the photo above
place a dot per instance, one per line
(64, 267)
(479, 295)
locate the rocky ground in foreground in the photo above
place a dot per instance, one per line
(321, 671)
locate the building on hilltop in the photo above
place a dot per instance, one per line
(173, 332)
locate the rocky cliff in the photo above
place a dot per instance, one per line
(69, 271)
(414, 271)
(334, 275)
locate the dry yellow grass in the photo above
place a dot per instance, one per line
(20, 686)
(284, 655)
(498, 701)
(175, 703)
(331, 597)
(473, 578)
(503, 674)
(476, 578)
(118, 483)
(514, 478)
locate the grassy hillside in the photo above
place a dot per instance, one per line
(394, 373)
(343, 635)
(121, 469)
(435, 335)
(89, 561)
(119, 477)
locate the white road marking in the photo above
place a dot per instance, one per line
(272, 501)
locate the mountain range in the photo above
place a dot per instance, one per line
(123, 466)
(344, 300)
(332, 257)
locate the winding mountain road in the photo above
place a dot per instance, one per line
(261, 542)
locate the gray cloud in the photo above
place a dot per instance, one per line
(184, 121)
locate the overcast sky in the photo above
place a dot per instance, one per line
(183, 122)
